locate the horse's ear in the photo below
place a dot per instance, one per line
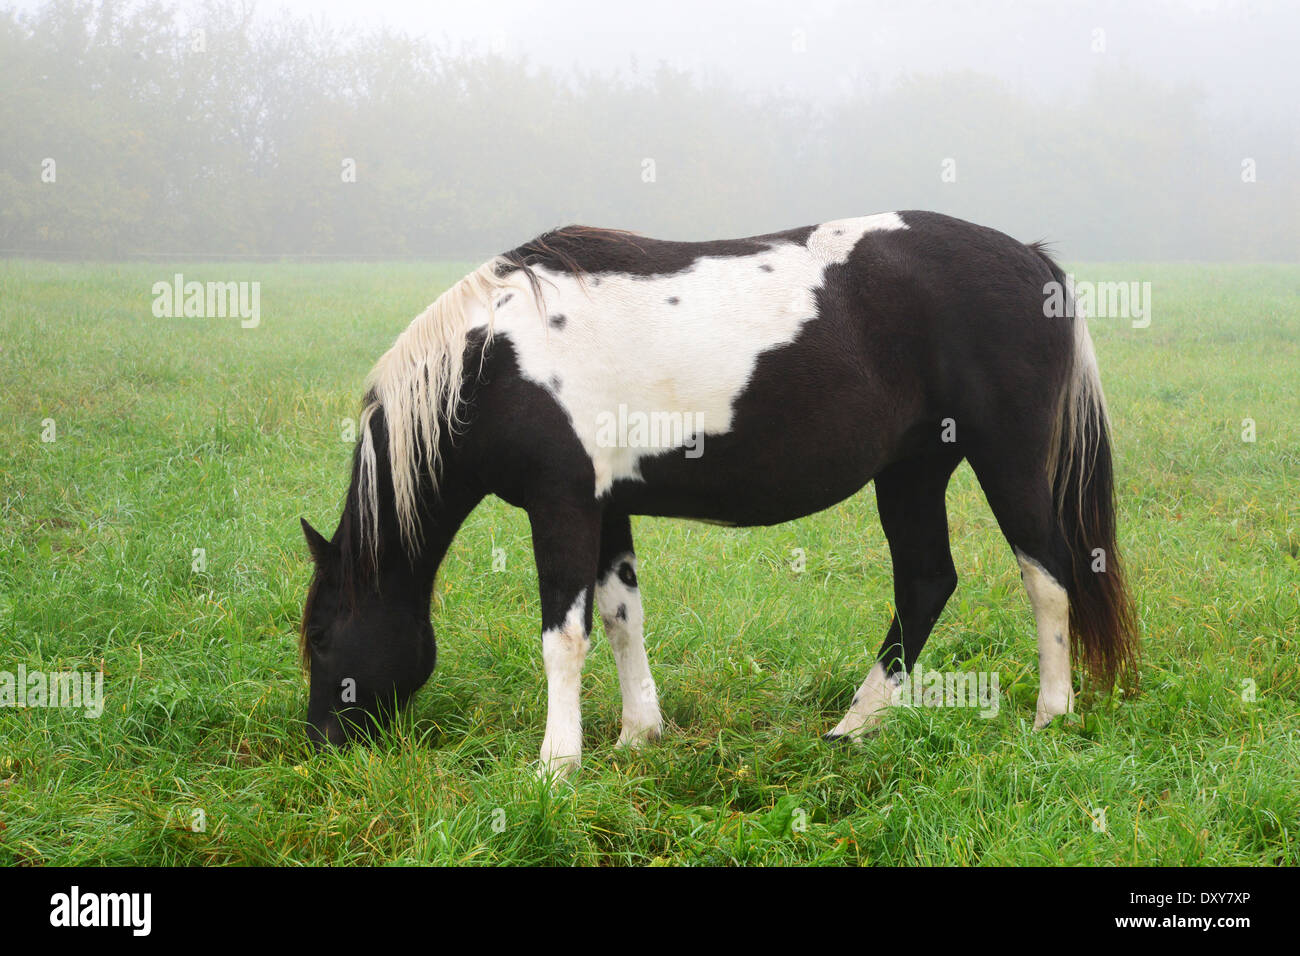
(321, 550)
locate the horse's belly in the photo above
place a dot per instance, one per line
(753, 476)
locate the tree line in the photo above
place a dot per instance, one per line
(136, 130)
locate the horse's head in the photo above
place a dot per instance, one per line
(368, 645)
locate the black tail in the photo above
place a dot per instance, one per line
(1103, 623)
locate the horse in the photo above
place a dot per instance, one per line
(594, 374)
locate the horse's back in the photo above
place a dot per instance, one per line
(804, 360)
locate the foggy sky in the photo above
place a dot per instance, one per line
(1125, 126)
(1240, 54)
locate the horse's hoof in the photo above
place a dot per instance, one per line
(636, 739)
(1043, 721)
(841, 740)
(558, 768)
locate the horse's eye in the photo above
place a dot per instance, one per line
(316, 637)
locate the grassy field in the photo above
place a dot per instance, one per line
(177, 434)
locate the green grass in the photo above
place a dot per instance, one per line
(175, 434)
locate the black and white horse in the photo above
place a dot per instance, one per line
(592, 374)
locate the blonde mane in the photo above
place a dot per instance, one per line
(417, 383)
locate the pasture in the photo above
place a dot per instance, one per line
(176, 434)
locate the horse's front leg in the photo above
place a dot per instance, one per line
(566, 543)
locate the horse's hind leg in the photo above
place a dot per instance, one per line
(910, 496)
(619, 599)
(1016, 486)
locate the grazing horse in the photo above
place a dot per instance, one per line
(594, 374)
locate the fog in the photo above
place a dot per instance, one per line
(1138, 131)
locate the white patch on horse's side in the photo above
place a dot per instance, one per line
(876, 694)
(1052, 617)
(564, 650)
(620, 610)
(681, 345)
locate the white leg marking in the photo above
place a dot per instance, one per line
(620, 610)
(564, 650)
(876, 693)
(1052, 615)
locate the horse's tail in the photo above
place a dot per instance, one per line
(1103, 623)
(417, 385)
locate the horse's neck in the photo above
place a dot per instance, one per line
(441, 519)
